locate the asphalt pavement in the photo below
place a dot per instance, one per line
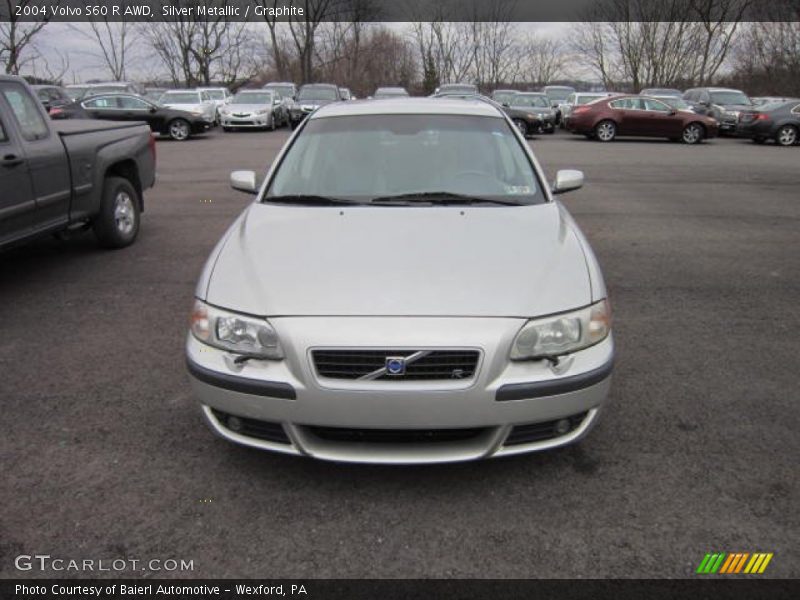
(105, 455)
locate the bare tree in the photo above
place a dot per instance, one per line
(115, 42)
(16, 36)
(543, 60)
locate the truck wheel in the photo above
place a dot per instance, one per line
(117, 223)
(179, 130)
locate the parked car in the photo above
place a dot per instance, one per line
(220, 96)
(180, 125)
(310, 97)
(761, 100)
(577, 99)
(52, 98)
(75, 91)
(292, 348)
(504, 96)
(661, 92)
(252, 109)
(779, 121)
(676, 103)
(531, 113)
(456, 89)
(153, 94)
(390, 92)
(722, 104)
(608, 118)
(63, 175)
(557, 94)
(193, 101)
(288, 93)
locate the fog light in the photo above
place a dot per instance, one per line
(562, 426)
(235, 423)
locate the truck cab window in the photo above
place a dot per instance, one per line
(31, 123)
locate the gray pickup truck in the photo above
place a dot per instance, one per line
(62, 176)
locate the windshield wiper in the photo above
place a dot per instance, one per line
(311, 200)
(444, 198)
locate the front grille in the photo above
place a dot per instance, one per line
(394, 436)
(539, 432)
(371, 364)
(254, 428)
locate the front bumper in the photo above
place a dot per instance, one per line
(248, 122)
(506, 408)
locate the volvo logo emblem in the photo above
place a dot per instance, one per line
(395, 365)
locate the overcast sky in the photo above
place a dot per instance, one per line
(61, 43)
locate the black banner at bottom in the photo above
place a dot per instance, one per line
(390, 589)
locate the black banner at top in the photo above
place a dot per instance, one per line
(400, 10)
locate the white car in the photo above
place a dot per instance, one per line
(194, 101)
(405, 288)
(220, 96)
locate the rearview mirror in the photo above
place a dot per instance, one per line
(244, 181)
(567, 180)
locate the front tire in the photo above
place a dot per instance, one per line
(605, 131)
(786, 136)
(693, 133)
(179, 130)
(117, 223)
(522, 126)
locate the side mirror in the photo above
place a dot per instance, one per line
(244, 181)
(704, 103)
(567, 180)
(506, 104)
(153, 109)
(673, 112)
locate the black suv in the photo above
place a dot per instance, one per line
(310, 97)
(722, 104)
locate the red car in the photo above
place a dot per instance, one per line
(607, 118)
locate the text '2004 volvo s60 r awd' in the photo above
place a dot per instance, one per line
(404, 289)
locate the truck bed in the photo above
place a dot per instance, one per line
(66, 127)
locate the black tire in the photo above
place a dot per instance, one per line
(522, 126)
(605, 131)
(786, 135)
(693, 133)
(293, 125)
(179, 130)
(117, 223)
(272, 126)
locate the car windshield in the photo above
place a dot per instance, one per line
(309, 94)
(674, 102)
(252, 98)
(504, 97)
(390, 93)
(460, 89)
(660, 92)
(180, 98)
(558, 95)
(363, 158)
(530, 101)
(730, 98)
(283, 90)
(215, 94)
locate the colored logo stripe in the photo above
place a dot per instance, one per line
(724, 563)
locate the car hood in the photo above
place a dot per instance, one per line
(421, 261)
(736, 107)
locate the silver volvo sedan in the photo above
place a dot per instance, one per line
(404, 289)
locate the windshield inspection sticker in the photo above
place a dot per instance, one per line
(518, 189)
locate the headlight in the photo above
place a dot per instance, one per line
(237, 333)
(262, 111)
(562, 334)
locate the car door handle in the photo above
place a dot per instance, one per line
(11, 160)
